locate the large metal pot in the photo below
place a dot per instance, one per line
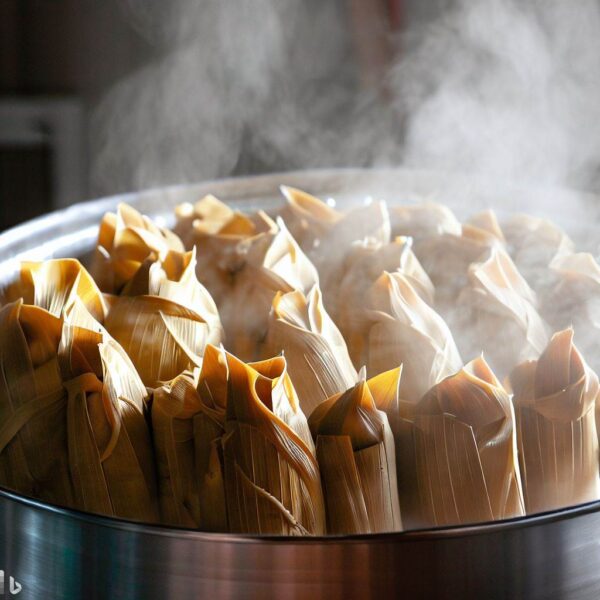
(56, 553)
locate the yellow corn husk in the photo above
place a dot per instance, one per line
(573, 299)
(555, 398)
(446, 259)
(224, 239)
(327, 235)
(315, 351)
(53, 285)
(404, 329)
(355, 450)
(209, 213)
(487, 221)
(533, 243)
(125, 240)
(280, 267)
(165, 330)
(110, 452)
(188, 419)
(423, 220)
(33, 431)
(500, 315)
(272, 480)
(308, 218)
(362, 267)
(464, 452)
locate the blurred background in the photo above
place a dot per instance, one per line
(103, 96)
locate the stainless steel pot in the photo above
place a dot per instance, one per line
(53, 552)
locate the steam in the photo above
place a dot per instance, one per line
(504, 88)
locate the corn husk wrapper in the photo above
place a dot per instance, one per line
(74, 431)
(308, 218)
(280, 267)
(573, 299)
(224, 239)
(110, 451)
(188, 417)
(272, 481)
(355, 450)
(166, 328)
(533, 243)
(54, 284)
(363, 267)
(327, 236)
(423, 220)
(34, 459)
(126, 240)
(464, 452)
(500, 315)
(404, 329)
(447, 258)
(555, 398)
(316, 353)
(208, 213)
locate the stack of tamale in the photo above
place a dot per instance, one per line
(297, 374)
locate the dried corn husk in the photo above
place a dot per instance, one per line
(487, 221)
(53, 285)
(165, 330)
(188, 419)
(363, 267)
(573, 298)
(110, 452)
(465, 459)
(126, 239)
(500, 315)
(404, 329)
(555, 399)
(308, 218)
(533, 243)
(327, 235)
(279, 267)
(33, 436)
(224, 240)
(355, 450)
(315, 351)
(272, 480)
(447, 257)
(423, 220)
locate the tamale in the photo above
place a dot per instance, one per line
(53, 284)
(315, 351)
(555, 398)
(355, 450)
(188, 420)
(327, 235)
(279, 267)
(364, 264)
(404, 329)
(33, 405)
(109, 448)
(272, 481)
(533, 243)
(498, 314)
(423, 220)
(165, 329)
(125, 240)
(465, 453)
(573, 299)
(446, 259)
(223, 238)
(308, 218)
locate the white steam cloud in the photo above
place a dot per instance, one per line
(506, 88)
